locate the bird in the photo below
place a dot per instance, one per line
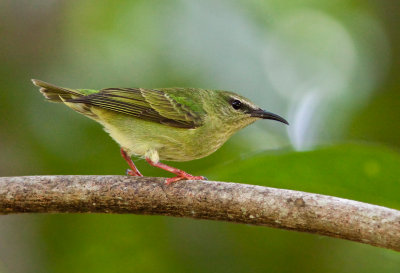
(172, 124)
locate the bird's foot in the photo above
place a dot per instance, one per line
(183, 177)
(133, 173)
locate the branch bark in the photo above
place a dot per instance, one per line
(233, 202)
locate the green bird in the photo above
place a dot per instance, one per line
(175, 124)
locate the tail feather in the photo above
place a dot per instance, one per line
(54, 93)
(64, 95)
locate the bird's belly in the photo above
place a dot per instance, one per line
(186, 151)
(138, 137)
(192, 146)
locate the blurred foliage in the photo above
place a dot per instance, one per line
(329, 67)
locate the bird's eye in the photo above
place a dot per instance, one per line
(236, 104)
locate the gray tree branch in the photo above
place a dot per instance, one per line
(233, 202)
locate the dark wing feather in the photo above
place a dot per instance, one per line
(148, 104)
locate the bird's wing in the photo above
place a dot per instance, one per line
(165, 106)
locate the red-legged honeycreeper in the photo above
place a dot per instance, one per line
(176, 124)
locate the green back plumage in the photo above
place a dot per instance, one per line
(87, 91)
(167, 106)
(157, 105)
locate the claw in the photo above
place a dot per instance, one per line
(132, 173)
(171, 180)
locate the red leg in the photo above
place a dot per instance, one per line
(133, 171)
(181, 175)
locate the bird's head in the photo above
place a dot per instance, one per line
(236, 111)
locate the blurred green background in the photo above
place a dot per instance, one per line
(330, 67)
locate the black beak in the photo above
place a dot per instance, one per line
(259, 113)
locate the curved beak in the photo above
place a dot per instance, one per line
(259, 113)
